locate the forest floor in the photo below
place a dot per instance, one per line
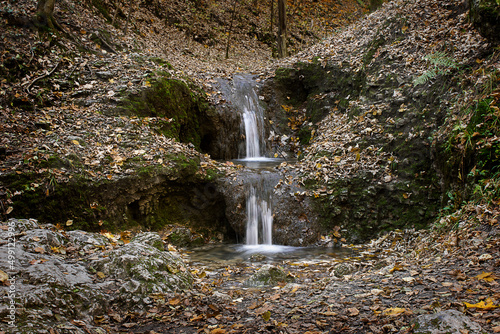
(52, 95)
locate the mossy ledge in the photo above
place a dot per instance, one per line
(153, 197)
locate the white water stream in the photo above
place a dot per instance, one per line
(259, 211)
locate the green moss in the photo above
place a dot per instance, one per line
(162, 62)
(180, 109)
(101, 7)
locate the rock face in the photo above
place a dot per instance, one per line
(155, 197)
(187, 116)
(445, 322)
(485, 15)
(294, 221)
(61, 276)
(361, 200)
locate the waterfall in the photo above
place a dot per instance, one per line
(259, 210)
(252, 116)
(259, 215)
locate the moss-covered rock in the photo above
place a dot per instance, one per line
(153, 198)
(485, 15)
(269, 275)
(143, 270)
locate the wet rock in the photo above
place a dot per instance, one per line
(268, 275)
(143, 269)
(220, 297)
(105, 75)
(257, 258)
(151, 239)
(294, 222)
(449, 322)
(342, 269)
(62, 277)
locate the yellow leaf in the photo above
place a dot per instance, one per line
(482, 305)
(174, 301)
(358, 157)
(295, 288)
(393, 311)
(3, 276)
(9, 210)
(108, 235)
(218, 331)
(69, 222)
(318, 165)
(75, 142)
(337, 159)
(487, 277)
(100, 274)
(171, 248)
(266, 315)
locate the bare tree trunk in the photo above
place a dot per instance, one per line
(282, 51)
(45, 15)
(128, 16)
(116, 13)
(272, 17)
(230, 29)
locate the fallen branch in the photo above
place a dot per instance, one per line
(43, 76)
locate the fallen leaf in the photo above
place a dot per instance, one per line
(487, 277)
(266, 315)
(488, 305)
(218, 331)
(3, 276)
(353, 311)
(100, 274)
(75, 142)
(174, 301)
(393, 311)
(39, 250)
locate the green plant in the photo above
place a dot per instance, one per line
(441, 65)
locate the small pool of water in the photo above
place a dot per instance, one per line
(231, 254)
(259, 162)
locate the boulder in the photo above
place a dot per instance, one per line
(449, 322)
(269, 275)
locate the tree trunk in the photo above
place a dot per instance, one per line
(282, 51)
(125, 30)
(272, 17)
(45, 15)
(230, 29)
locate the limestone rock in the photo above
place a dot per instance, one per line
(449, 322)
(269, 275)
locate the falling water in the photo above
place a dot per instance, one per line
(259, 210)
(259, 216)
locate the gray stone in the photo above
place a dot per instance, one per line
(151, 239)
(269, 275)
(445, 322)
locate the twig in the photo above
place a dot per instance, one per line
(43, 76)
(90, 69)
(71, 73)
